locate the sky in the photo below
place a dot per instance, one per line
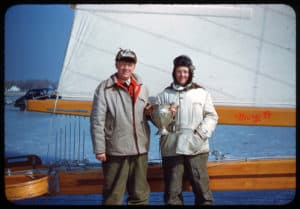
(35, 40)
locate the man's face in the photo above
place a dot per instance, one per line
(182, 74)
(125, 69)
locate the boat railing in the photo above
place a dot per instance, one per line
(23, 160)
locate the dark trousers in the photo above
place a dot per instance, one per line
(195, 169)
(123, 174)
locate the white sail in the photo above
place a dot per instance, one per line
(245, 55)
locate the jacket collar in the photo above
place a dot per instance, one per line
(180, 88)
(134, 78)
(177, 87)
(113, 80)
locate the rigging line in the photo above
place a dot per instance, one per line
(248, 34)
(50, 128)
(208, 53)
(258, 58)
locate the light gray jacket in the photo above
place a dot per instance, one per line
(119, 127)
(196, 112)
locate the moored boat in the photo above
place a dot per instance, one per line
(81, 179)
(26, 186)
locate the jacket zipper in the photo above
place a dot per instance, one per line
(179, 112)
(134, 129)
(133, 115)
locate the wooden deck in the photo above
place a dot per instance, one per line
(230, 115)
(260, 174)
(235, 175)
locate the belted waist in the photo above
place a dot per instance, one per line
(182, 129)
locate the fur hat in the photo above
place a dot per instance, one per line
(184, 60)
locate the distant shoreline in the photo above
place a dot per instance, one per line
(13, 94)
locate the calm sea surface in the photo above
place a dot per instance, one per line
(65, 138)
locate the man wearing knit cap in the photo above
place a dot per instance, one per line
(120, 133)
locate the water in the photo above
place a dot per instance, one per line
(58, 137)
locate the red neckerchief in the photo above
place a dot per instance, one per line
(133, 89)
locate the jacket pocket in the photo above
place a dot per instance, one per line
(198, 137)
(189, 144)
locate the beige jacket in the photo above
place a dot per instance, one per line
(196, 112)
(118, 126)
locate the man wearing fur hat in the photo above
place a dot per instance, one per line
(185, 149)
